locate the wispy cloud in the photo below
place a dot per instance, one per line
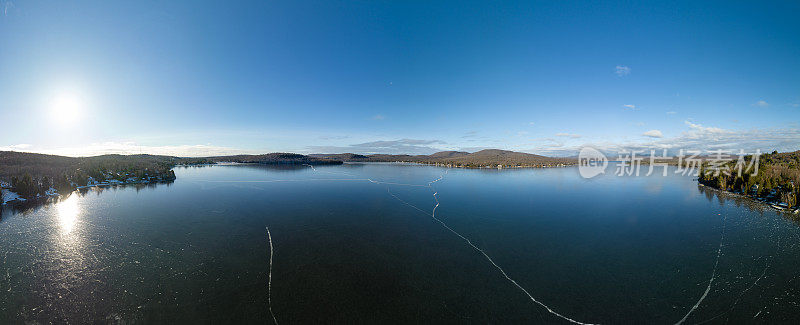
(549, 142)
(531, 123)
(474, 149)
(622, 70)
(16, 147)
(629, 107)
(671, 112)
(402, 146)
(334, 137)
(699, 129)
(470, 134)
(704, 138)
(7, 6)
(129, 148)
(653, 134)
(568, 135)
(696, 137)
(761, 103)
(553, 145)
(379, 117)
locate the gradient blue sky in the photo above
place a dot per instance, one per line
(203, 78)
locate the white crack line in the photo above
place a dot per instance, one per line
(713, 275)
(485, 255)
(269, 281)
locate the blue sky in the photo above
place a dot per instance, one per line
(202, 78)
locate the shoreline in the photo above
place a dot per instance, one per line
(10, 198)
(499, 166)
(754, 199)
(13, 200)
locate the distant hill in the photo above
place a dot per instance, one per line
(277, 158)
(14, 163)
(483, 158)
(449, 154)
(342, 156)
(494, 157)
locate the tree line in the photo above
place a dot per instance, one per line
(776, 178)
(31, 175)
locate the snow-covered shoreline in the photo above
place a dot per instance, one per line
(9, 196)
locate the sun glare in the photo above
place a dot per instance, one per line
(66, 108)
(68, 211)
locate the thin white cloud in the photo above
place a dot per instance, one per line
(379, 117)
(699, 129)
(671, 112)
(696, 137)
(334, 137)
(553, 145)
(653, 134)
(761, 103)
(622, 70)
(7, 5)
(16, 147)
(474, 149)
(531, 123)
(470, 135)
(568, 135)
(402, 146)
(130, 148)
(629, 106)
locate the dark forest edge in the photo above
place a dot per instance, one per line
(30, 177)
(776, 181)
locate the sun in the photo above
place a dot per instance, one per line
(66, 108)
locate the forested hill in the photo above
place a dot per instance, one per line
(32, 175)
(483, 158)
(19, 163)
(777, 178)
(277, 158)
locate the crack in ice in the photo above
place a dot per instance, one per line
(432, 214)
(269, 277)
(739, 298)
(476, 248)
(713, 275)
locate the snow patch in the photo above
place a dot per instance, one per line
(9, 196)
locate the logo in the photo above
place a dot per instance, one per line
(591, 162)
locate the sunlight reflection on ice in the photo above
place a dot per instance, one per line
(68, 212)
